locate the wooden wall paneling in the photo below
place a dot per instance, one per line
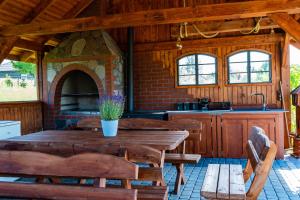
(29, 113)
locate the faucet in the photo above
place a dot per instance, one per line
(264, 106)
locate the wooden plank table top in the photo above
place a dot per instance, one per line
(224, 182)
(161, 140)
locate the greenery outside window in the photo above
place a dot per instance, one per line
(17, 81)
(249, 67)
(197, 69)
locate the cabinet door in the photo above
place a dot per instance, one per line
(267, 124)
(200, 141)
(232, 138)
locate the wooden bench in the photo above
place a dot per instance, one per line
(88, 165)
(223, 182)
(132, 153)
(227, 181)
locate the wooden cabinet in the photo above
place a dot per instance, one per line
(226, 135)
(200, 141)
(234, 130)
(232, 137)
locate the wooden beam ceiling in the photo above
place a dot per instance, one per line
(11, 41)
(74, 12)
(31, 17)
(37, 11)
(288, 24)
(224, 27)
(210, 12)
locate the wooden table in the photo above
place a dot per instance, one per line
(161, 140)
(64, 142)
(224, 182)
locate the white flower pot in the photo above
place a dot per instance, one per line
(109, 128)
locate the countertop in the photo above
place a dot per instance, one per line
(219, 112)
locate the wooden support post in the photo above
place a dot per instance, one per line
(285, 84)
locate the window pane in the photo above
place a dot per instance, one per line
(206, 69)
(239, 57)
(259, 66)
(187, 80)
(237, 67)
(17, 81)
(258, 56)
(207, 79)
(205, 59)
(260, 77)
(238, 78)
(188, 60)
(187, 70)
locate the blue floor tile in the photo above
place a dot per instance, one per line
(283, 182)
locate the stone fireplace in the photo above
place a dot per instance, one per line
(79, 93)
(82, 68)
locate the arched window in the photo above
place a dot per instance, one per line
(197, 69)
(249, 67)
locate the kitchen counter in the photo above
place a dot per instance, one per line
(220, 112)
(224, 133)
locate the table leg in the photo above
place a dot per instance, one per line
(180, 179)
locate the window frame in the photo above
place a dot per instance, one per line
(248, 62)
(197, 70)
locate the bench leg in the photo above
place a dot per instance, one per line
(158, 183)
(126, 184)
(180, 179)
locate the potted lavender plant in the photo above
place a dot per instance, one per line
(111, 109)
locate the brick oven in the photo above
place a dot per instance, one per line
(82, 68)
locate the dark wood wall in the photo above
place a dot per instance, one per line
(29, 113)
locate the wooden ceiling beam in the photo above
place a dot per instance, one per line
(6, 43)
(13, 57)
(26, 56)
(32, 46)
(288, 24)
(212, 12)
(295, 44)
(224, 27)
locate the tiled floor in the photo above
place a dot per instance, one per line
(283, 182)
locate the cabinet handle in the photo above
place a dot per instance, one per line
(200, 136)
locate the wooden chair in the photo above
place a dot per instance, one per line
(96, 166)
(177, 159)
(261, 154)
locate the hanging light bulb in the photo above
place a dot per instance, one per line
(178, 43)
(272, 31)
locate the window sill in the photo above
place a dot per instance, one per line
(246, 84)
